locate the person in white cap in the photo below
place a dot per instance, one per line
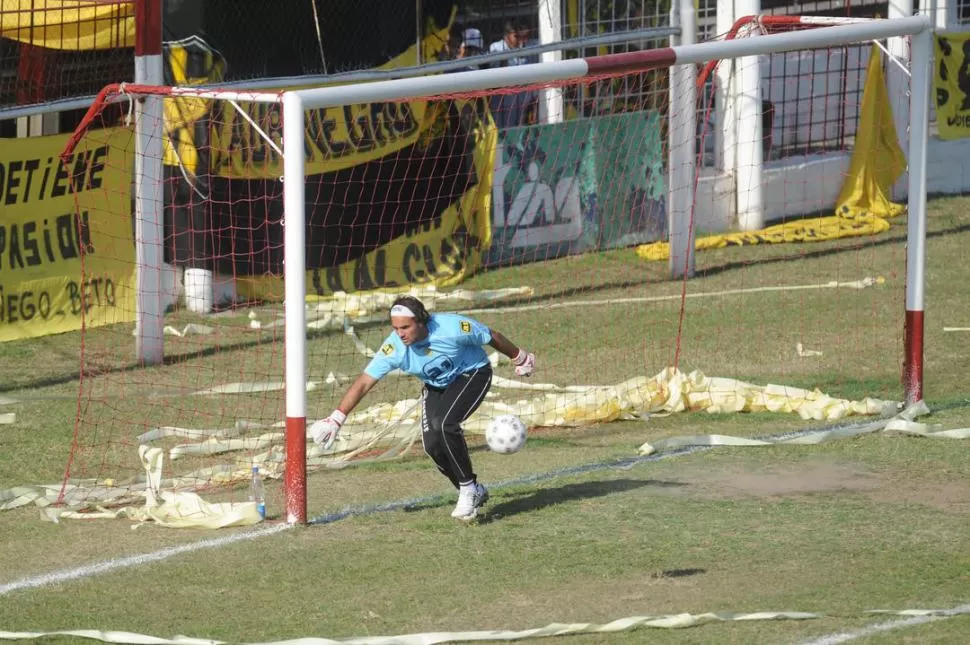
(471, 43)
(445, 351)
(463, 43)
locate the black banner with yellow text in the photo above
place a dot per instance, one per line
(951, 79)
(419, 215)
(379, 176)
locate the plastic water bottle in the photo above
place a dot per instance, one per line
(256, 493)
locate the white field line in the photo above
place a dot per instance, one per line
(107, 566)
(888, 626)
(98, 568)
(855, 284)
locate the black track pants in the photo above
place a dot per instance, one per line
(442, 411)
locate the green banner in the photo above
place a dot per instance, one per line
(630, 187)
(577, 186)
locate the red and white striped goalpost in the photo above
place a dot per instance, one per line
(921, 50)
(683, 60)
(149, 219)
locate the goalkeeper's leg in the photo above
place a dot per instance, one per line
(444, 467)
(442, 412)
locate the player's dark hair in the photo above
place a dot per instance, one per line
(421, 314)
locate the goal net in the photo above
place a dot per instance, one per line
(545, 200)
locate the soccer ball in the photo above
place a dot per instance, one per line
(505, 434)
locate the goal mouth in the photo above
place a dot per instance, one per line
(576, 174)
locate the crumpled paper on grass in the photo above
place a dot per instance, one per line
(169, 508)
(388, 430)
(341, 310)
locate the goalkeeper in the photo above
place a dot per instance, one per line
(446, 352)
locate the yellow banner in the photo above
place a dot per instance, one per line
(52, 216)
(442, 253)
(952, 80)
(336, 138)
(69, 24)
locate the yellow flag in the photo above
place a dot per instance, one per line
(877, 160)
(863, 204)
(812, 229)
(181, 113)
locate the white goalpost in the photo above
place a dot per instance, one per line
(294, 111)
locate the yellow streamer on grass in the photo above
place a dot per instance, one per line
(902, 423)
(169, 508)
(394, 427)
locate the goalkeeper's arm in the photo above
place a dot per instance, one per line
(360, 387)
(524, 361)
(324, 431)
(502, 344)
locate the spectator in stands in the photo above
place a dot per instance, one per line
(523, 37)
(509, 41)
(471, 44)
(451, 46)
(509, 110)
(462, 43)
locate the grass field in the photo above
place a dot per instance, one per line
(578, 530)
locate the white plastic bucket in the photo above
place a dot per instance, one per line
(198, 290)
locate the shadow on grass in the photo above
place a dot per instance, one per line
(678, 573)
(523, 502)
(707, 271)
(724, 267)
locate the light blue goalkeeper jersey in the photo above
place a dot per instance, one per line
(453, 346)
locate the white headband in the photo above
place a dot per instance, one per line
(401, 310)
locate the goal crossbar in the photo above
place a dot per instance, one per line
(607, 64)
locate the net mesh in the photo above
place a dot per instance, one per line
(553, 233)
(50, 52)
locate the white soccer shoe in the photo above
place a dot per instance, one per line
(469, 501)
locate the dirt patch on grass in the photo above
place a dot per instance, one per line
(792, 480)
(952, 497)
(825, 476)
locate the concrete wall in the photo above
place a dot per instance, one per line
(807, 185)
